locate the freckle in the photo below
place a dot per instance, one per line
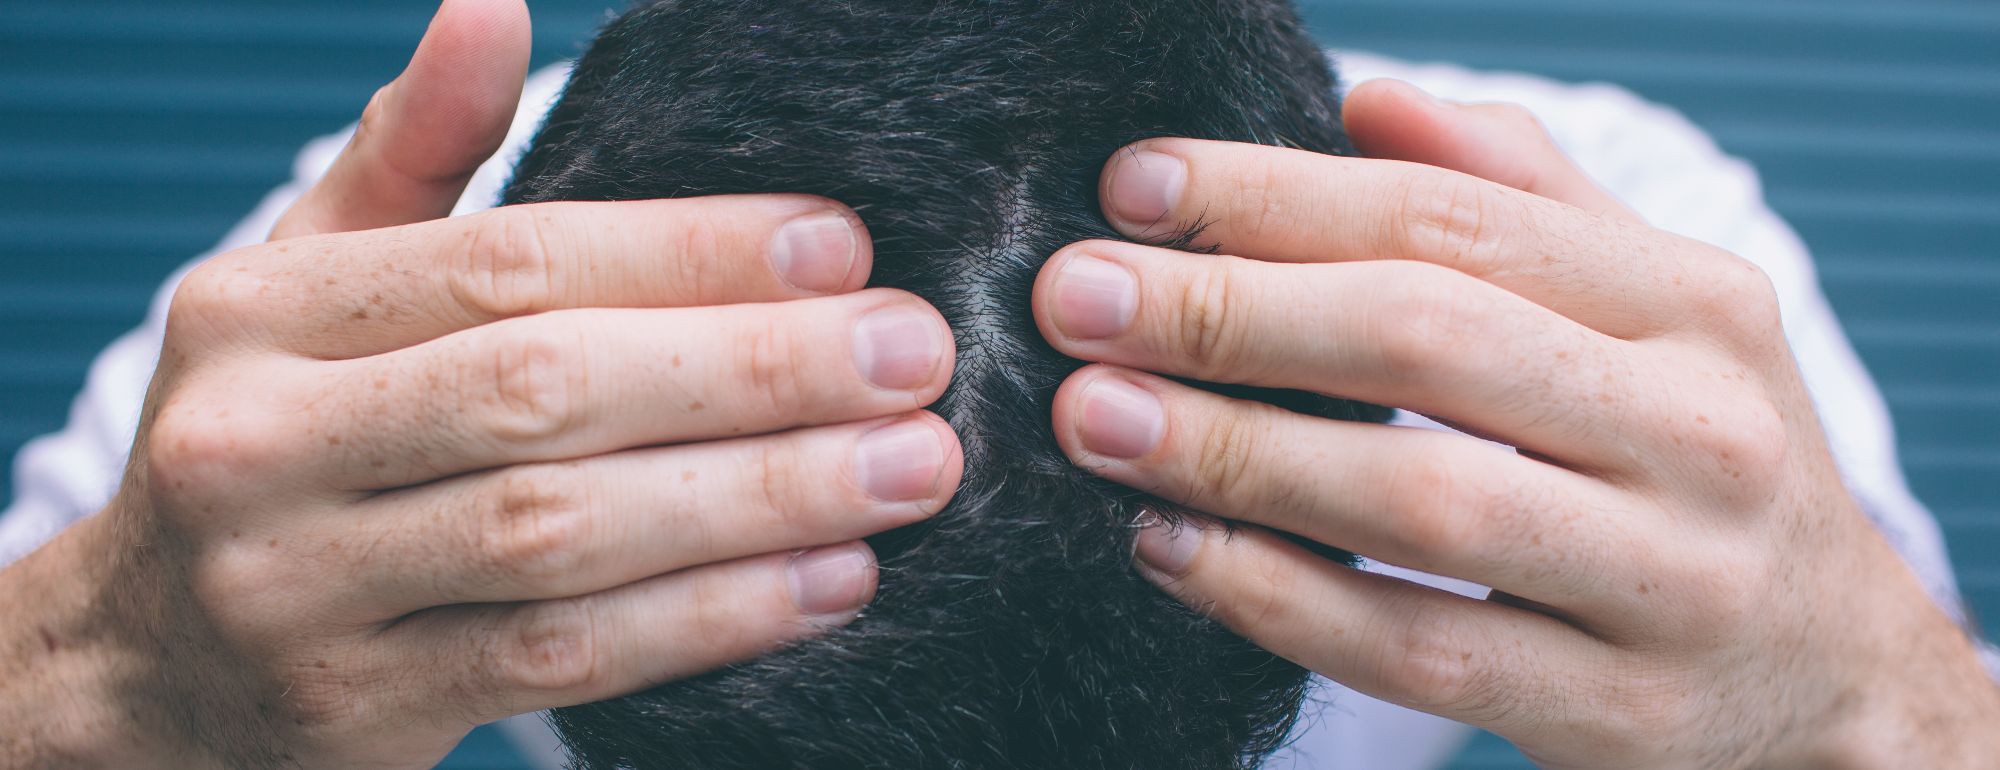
(1701, 419)
(382, 384)
(379, 464)
(332, 281)
(689, 475)
(274, 542)
(235, 534)
(333, 441)
(359, 315)
(677, 362)
(1645, 589)
(319, 664)
(697, 406)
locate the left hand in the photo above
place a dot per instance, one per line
(1681, 578)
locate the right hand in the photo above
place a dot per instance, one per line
(395, 482)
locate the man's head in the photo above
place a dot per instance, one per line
(1010, 631)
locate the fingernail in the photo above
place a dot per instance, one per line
(1121, 420)
(901, 462)
(1168, 547)
(898, 347)
(832, 581)
(815, 252)
(1145, 187)
(1095, 299)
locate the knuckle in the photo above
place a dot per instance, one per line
(1454, 218)
(193, 447)
(1226, 458)
(782, 487)
(536, 526)
(215, 293)
(1269, 213)
(1427, 656)
(1749, 443)
(1427, 508)
(552, 648)
(1208, 334)
(1265, 603)
(532, 386)
(1519, 119)
(1427, 321)
(728, 619)
(1713, 595)
(373, 116)
(1740, 295)
(701, 250)
(771, 366)
(507, 267)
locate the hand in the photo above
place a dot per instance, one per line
(1681, 580)
(396, 483)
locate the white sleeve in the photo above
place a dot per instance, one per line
(66, 476)
(1658, 162)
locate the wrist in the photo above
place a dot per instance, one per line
(62, 652)
(1925, 699)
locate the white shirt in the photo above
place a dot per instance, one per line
(1649, 156)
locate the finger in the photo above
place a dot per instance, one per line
(1421, 499)
(491, 662)
(1502, 143)
(1499, 668)
(1278, 205)
(1402, 334)
(553, 531)
(360, 294)
(423, 135)
(581, 383)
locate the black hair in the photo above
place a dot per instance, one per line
(1010, 631)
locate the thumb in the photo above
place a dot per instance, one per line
(423, 135)
(1501, 143)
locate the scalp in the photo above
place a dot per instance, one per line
(1010, 630)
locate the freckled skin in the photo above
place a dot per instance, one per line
(1012, 631)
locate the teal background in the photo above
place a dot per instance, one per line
(132, 134)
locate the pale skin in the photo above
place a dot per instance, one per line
(401, 475)
(1681, 578)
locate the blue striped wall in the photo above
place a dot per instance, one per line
(133, 133)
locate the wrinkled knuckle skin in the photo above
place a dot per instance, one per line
(782, 488)
(1426, 656)
(1453, 219)
(533, 387)
(697, 265)
(536, 527)
(1207, 336)
(507, 267)
(1226, 459)
(772, 368)
(1267, 202)
(552, 649)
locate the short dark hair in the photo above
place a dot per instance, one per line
(1011, 630)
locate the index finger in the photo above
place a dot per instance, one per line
(1283, 205)
(354, 295)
